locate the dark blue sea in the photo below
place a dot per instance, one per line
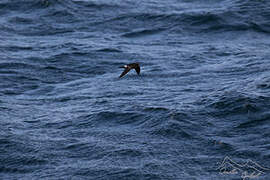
(199, 110)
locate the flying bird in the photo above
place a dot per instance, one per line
(128, 67)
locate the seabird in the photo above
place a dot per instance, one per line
(128, 67)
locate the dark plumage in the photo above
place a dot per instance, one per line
(128, 67)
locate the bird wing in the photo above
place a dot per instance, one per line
(124, 72)
(138, 69)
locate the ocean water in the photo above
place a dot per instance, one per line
(200, 110)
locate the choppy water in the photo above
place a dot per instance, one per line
(203, 93)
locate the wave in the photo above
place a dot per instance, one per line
(260, 120)
(112, 50)
(144, 32)
(53, 7)
(17, 163)
(60, 17)
(17, 65)
(235, 103)
(21, 20)
(172, 130)
(156, 109)
(263, 83)
(109, 118)
(97, 5)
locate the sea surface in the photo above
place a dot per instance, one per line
(200, 109)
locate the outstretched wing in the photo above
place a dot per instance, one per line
(124, 72)
(138, 69)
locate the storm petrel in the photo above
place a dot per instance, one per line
(128, 67)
